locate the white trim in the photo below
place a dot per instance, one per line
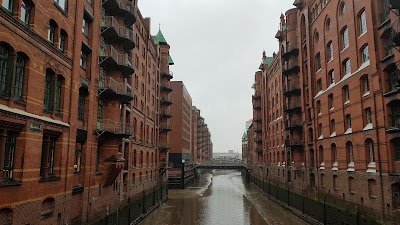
(347, 102)
(368, 127)
(31, 115)
(349, 131)
(366, 93)
(333, 134)
(363, 66)
(321, 137)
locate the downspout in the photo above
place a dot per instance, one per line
(379, 159)
(69, 121)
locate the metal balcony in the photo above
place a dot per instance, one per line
(395, 4)
(112, 31)
(257, 105)
(292, 106)
(168, 75)
(257, 117)
(165, 113)
(294, 143)
(396, 32)
(293, 124)
(165, 127)
(166, 86)
(164, 146)
(256, 96)
(122, 8)
(112, 90)
(292, 88)
(279, 35)
(298, 4)
(112, 127)
(292, 49)
(258, 127)
(291, 67)
(166, 100)
(109, 58)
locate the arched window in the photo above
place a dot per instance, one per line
(349, 152)
(19, 77)
(330, 51)
(342, 8)
(330, 102)
(346, 68)
(47, 88)
(141, 158)
(135, 158)
(334, 153)
(364, 54)
(346, 94)
(328, 24)
(362, 19)
(63, 42)
(369, 151)
(47, 207)
(4, 66)
(6, 214)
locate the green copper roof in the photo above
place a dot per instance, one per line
(159, 38)
(244, 135)
(170, 61)
(268, 60)
(254, 86)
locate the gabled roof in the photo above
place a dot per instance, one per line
(159, 38)
(268, 60)
(244, 135)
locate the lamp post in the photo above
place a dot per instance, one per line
(183, 175)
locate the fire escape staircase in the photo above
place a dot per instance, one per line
(115, 167)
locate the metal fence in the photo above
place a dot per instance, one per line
(321, 211)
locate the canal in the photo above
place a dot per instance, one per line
(221, 197)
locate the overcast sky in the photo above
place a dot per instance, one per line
(217, 47)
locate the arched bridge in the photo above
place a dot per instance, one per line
(222, 164)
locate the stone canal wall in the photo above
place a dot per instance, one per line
(313, 210)
(136, 209)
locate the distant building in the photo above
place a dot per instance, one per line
(227, 155)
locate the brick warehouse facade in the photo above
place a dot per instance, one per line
(326, 106)
(82, 86)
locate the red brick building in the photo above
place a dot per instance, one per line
(80, 112)
(327, 104)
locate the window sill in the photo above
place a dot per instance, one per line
(99, 173)
(349, 131)
(390, 93)
(346, 102)
(362, 34)
(366, 94)
(50, 178)
(333, 108)
(47, 214)
(344, 49)
(20, 102)
(333, 134)
(373, 197)
(352, 192)
(368, 127)
(9, 183)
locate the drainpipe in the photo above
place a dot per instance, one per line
(69, 121)
(379, 158)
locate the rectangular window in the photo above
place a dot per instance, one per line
(345, 38)
(333, 128)
(58, 94)
(78, 158)
(330, 51)
(83, 61)
(346, 94)
(81, 106)
(8, 5)
(368, 115)
(51, 33)
(62, 43)
(19, 78)
(388, 46)
(25, 13)
(363, 23)
(47, 89)
(62, 4)
(85, 28)
(348, 120)
(9, 156)
(319, 85)
(347, 67)
(50, 158)
(332, 77)
(318, 61)
(366, 85)
(365, 54)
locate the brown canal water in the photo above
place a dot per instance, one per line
(221, 197)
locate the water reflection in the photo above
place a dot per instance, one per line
(220, 198)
